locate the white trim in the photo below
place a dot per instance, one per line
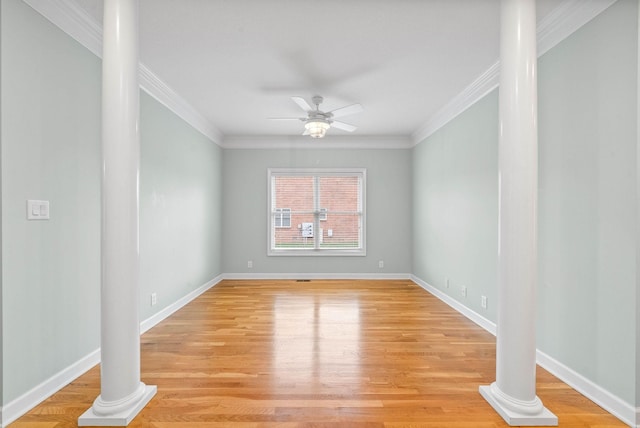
(165, 313)
(566, 19)
(329, 142)
(473, 316)
(605, 399)
(123, 417)
(316, 276)
(39, 393)
(515, 412)
(316, 251)
(159, 90)
(563, 21)
(617, 407)
(473, 93)
(73, 20)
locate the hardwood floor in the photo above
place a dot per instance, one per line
(317, 354)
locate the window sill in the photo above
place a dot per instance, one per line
(317, 253)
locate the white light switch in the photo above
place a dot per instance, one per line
(44, 210)
(37, 210)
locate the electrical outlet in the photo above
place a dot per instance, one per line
(464, 291)
(483, 302)
(250, 264)
(381, 264)
(154, 299)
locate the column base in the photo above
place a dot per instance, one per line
(120, 418)
(514, 418)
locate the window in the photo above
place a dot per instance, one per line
(298, 230)
(323, 214)
(282, 217)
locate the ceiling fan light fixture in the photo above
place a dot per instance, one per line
(317, 128)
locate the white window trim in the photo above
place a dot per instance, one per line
(361, 172)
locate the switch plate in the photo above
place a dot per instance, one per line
(37, 210)
(381, 264)
(483, 302)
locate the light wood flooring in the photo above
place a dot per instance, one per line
(317, 354)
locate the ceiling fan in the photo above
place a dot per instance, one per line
(318, 122)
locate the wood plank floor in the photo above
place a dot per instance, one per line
(317, 354)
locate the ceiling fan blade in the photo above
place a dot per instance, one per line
(306, 132)
(286, 118)
(343, 126)
(343, 111)
(304, 105)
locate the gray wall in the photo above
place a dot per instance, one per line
(587, 207)
(388, 211)
(51, 150)
(431, 210)
(455, 206)
(180, 207)
(587, 224)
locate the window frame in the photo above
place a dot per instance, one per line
(280, 212)
(323, 214)
(319, 214)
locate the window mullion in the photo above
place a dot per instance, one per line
(316, 212)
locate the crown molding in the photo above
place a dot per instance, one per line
(329, 142)
(480, 87)
(559, 24)
(155, 87)
(567, 18)
(73, 20)
(563, 21)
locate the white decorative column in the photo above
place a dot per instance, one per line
(513, 394)
(122, 394)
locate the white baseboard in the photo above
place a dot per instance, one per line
(37, 395)
(603, 398)
(611, 403)
(165, 313)
(381, 276)
(490, 326)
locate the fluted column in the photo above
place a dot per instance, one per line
(122, 394)
(513, 394)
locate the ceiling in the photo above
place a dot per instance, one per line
(238, 62)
